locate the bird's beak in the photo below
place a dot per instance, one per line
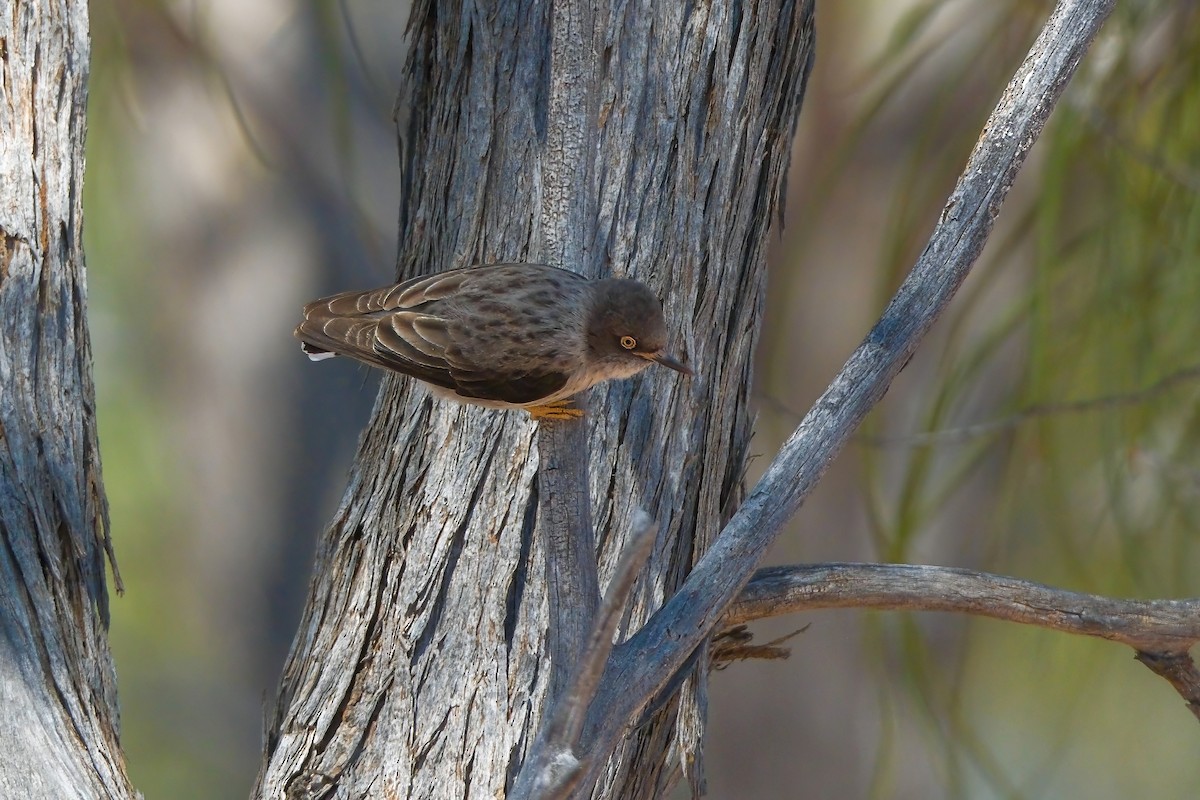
(668, 361)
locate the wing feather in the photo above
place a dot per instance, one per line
(396, 337)
(516, 389)
(398, 327)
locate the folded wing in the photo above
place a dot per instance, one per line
(399, 327)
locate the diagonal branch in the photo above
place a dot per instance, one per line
(645, 662)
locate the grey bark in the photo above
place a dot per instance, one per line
(59, 730)
(419, 669)
(419, 666)
(565, 526)
(552, 770)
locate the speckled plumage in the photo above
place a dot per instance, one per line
(506, 335)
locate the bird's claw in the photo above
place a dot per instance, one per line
(559, 410)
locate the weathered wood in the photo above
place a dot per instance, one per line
(1160, 626)
(419, 669)
(1178, 669)
(565, 530)
(59, 734)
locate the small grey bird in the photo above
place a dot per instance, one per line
(505, 336)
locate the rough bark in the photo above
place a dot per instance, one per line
(419, 669)
(59, 733)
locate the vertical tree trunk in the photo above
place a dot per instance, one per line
(419, 666)
(59, 726)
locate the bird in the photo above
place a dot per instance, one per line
(527, 336)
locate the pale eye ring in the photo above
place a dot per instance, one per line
(628, 342)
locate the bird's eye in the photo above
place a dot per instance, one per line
(628, 342)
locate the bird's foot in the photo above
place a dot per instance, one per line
(558, 409)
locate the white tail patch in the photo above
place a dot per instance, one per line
(314, 354)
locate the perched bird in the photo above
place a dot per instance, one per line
(506, 335)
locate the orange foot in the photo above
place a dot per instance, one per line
(558, 409)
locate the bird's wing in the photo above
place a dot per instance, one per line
(424, 346)
(349, 324)
(415, 344)
(386, 327)
(394, 297)
(517, 389)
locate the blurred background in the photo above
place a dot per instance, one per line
(242, 160)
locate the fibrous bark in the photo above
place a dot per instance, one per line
(59, 726)
(419, 669)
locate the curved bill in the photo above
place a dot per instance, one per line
(668, 361)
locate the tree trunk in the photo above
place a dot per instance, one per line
(419, 669)
(59, 734)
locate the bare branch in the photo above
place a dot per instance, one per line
(1162, 631)
(591, 666)
(644, 663)
(1158, 626)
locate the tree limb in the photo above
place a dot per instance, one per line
(647, 660)
(1180, 671)
(1161, 631)
(1155, 626)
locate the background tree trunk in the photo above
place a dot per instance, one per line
(419, 666)
(59, 732)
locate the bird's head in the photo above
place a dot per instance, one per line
(626, 325)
